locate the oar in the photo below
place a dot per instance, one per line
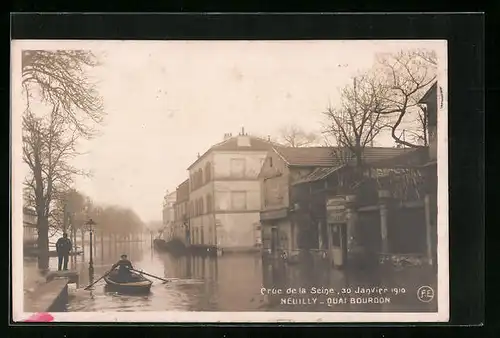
(147, 274)
(107, 273)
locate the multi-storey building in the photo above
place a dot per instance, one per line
(224, 198)
(168, 215)
(181, 216)
(297, 184)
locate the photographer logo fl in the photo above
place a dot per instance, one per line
(425, 294)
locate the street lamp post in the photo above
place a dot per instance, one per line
(90, 223)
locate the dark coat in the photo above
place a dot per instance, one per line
(63, 245)
(123, 265)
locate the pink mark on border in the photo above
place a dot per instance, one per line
(43, 317)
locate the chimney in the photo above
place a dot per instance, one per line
(268, 138)
(227, 136)
(198, 155)
(244, 141)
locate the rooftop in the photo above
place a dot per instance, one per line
(430, 92)
(327, 156)
(241, 142)
(318, 174)
(413, 157)
(327, 163)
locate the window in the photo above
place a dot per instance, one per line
(209, 203)
(238, 200)
(208, 172)
(200, 177)
(222, 202)
(238, 167)
(202, 209)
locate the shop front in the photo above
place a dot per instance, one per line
(274, 235)
(338, 230)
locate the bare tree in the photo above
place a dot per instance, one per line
(355, 123)
(49, 145)
(418, 133)
(58, 79)
(404, 79)
(295, 136)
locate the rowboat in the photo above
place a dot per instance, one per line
(137, 283)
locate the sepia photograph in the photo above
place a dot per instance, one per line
(229, 181)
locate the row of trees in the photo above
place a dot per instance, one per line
(74, 210)
(68, 109)
(383, 98)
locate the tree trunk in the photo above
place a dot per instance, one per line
(43, 243)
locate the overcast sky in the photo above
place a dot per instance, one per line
(168, 101)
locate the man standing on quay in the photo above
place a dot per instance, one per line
(63, 248)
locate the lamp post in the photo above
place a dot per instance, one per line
(90, 223)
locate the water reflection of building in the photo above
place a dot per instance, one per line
(224, 199)
(233, 282)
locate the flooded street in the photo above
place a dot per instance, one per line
(243, 282)
(194, 282)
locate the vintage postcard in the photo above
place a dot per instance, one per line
(230, 181)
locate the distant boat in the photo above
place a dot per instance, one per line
(138, 284)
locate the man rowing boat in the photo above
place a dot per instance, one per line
(124, 266)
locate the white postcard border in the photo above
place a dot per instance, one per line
(224, 317)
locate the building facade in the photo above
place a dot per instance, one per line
(307, 196)
(224, 197)
(181, 214)
(430, 170)
(168, 215)
(281, 168)
(30, 233)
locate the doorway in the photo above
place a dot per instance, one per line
(338, 243)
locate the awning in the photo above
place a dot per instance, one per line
(318, 174)
(273, 214)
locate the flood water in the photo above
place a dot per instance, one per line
(245, 282)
